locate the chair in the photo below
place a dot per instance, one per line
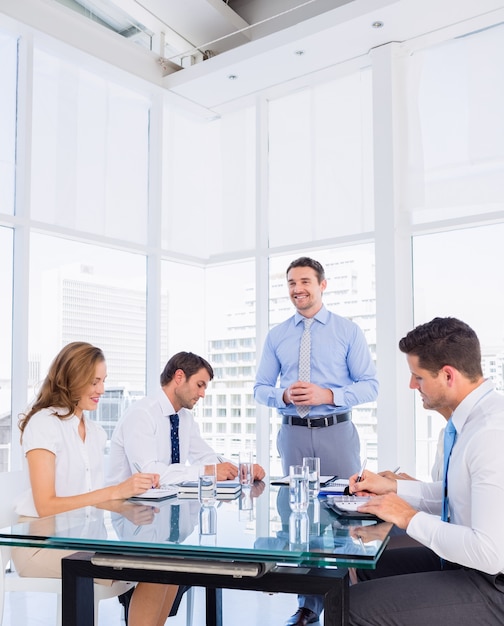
(11, 483)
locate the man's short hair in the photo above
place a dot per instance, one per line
(445, 341)
(188, 362)
(305, 261)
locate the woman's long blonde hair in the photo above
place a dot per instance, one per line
(71, 371)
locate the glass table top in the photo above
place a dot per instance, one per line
(256, 526)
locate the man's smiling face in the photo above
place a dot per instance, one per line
(305, 291)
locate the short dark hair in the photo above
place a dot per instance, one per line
(188, 362)
(305, 261)
(445, 341)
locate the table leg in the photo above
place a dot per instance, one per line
(77, 597)
(336, 603)
(213, 601)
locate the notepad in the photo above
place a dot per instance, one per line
(224, 487)
(324, 480)
(156, 494)
(334, 487)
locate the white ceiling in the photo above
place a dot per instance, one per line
(338, 35)
(277, 50)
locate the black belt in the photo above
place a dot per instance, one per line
(317, 422)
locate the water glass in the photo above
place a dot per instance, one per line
(314, 517)
(299, 525)
(208, 520)
(245, 469)
(298, 488)
(313, 465)
(246, 508)
(207, 485)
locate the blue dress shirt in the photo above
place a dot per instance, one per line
(340, 361)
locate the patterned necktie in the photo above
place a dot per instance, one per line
(174, 523)
(304, 360)
(175, 448)
(449, 439)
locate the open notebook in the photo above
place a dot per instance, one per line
(157, 494)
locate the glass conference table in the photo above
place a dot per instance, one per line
(252, 542)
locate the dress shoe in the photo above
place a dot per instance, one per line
(302, 617)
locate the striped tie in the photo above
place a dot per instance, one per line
(304, 361)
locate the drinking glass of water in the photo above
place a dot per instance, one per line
(298, 488)
(207, 485)
(313, 465)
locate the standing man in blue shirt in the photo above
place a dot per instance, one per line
(342, 375)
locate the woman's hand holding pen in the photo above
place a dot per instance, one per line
(136, 484)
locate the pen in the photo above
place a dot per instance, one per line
(396, 469)
(139, 469)
(359, 477)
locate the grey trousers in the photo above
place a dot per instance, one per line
(338, 448)
(409, 588)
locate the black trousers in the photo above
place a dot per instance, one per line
(410, 588)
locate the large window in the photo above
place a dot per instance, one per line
(320, 160)
(182, 310)
(6, 421)
(209, 184)
(81, 292)
(456, 126)
(90, 151)
(458, 274)
(229, 329)
(8, 78)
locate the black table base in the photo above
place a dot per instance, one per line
(78, 573)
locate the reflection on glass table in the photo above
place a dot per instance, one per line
(246, 528)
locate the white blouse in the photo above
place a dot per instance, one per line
(79, 464)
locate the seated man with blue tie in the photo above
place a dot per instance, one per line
(160, 431)
(456, 576)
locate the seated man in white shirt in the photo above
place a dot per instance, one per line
(456, 576)
(142, 436)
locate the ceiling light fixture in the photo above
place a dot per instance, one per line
(377, 24)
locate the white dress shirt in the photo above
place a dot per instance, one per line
(142, 439)
(78, 464)
(473, 538)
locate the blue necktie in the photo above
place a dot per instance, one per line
(174, 523)
(449, 440)
(175, 448)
